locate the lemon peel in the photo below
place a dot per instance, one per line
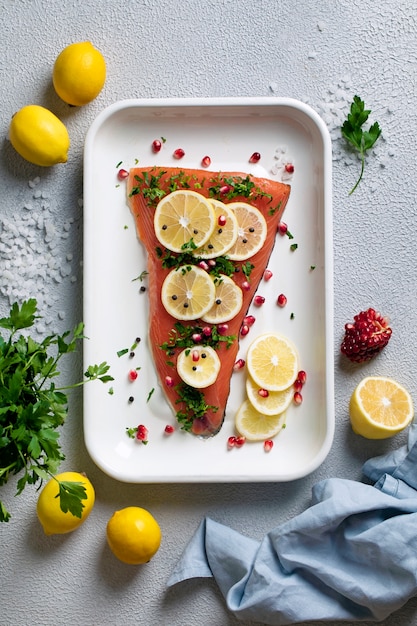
(79, 73)
(133, 535)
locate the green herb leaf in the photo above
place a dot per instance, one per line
(352, 131)
(71, 494)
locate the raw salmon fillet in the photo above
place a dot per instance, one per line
(204, 414)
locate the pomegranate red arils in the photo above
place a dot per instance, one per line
(195, 355)
(239, 441)
(268, 274)
(264, 393)
(255, 157)
(302, 377)
(132, 375)
(258, 300)
(240, 364)
(222, 220)
(207, 331)
(268, 445)
(231, 442)
(366, 336)
(249, 320)
(203, 265)
(142, 433)
(206, 161)
(197, 337)
(224, 189)
(156, 145)
(298, 385)
(211, 263)
(169, 381)
(222, 329)
(178, 153)
(244, 329)
(282, 228)
(122, 174)
(281, 300)
(298, 398)
(245, 285)
(169, 429)
(289, 168)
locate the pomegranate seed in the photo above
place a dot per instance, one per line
(244, 330)
(231, 442)
(268, 275)
(239, 441)
(298, 385)
(195, 356)
(281, 300)
(249, 320)
(142, 433)
(211, 263)
(222, 220)
(245, 285)
(264, 393)
(206, 161)
(289, 168)
(169, 381)
(255, 157)
(132, 375)
(268, 445)
(197, 337)
(258, 300)
(178, 153)
(203, 265)
(302, 377)
(207, 331)
(298, 398)
(122, 174)
(282, 228)
(240, 364)
(224, 190)
(222, 329)
(169, 429)
(156, 145)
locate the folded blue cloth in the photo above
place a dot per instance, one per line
(352, 555)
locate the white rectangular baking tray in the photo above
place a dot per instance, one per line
(229, 130)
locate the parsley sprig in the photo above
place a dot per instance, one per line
(352, 131)
(32, 408)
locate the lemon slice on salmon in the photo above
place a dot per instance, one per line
(224, 234)
(255, 426)
(268, 402)
(228, 300)
(182, 216)
(252, 231)
(272, 362)
(198, 366)
(188, 292)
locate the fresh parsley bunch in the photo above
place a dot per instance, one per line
(353, 132)
(32, 407)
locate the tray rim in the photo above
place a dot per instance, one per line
(263, 103)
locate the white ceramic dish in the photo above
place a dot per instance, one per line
(229, 130)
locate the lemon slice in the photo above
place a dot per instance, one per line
(380, 407)
(181, 216)
(198, 366)
(188, 292)
(255, 426)
(272, 361)
(228, 300)
(252, 231)
(275, 403)
(224, 234)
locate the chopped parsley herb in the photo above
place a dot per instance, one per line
(119, 164)
(141, 276)
(150, 394)
(195, 405)
(289, 235)
(247, 268)
(312, 267)
(182, 337)
(293, 246)
(122, 352)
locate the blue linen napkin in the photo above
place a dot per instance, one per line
(350, 556)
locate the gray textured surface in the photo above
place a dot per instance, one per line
(319, 52)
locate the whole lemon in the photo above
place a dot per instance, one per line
(79, 73)
(52, 518)
(39, 136)
(133, 534)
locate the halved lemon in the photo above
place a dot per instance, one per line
(198, 366)
(182, 216)
(275, 403)
(224, 234)
(188, 292)
(272, 362)
(252, 231)
(380, 408)
(228, 300)
(256, 426)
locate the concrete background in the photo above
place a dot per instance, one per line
(319, 52)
